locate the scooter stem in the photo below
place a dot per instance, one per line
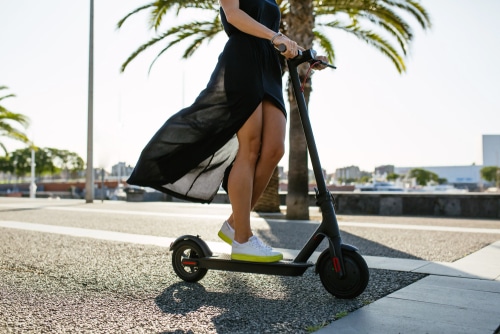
(329, 226)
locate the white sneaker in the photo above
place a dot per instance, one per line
(226, 233)
(254, 250)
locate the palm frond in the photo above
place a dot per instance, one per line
(326, 45)
(160, 7)
(376, 18)
(7, 96)
(6, 130)
(378, 15)
(383, 46)
(415, 9)
(6, 115)
(142, 48)
(377, 42)
(4, 149)
(379, 23)
(135, 11)
(201, 32)
(205, 30)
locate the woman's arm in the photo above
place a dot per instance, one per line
(244, 22)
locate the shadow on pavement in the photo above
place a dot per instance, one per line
(250, 303)
(293, 235)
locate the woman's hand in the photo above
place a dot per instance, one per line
(292, 48)
(321, 66)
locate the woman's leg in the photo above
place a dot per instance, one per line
(241, 179)
(271, 150)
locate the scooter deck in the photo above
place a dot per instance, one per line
(282, 268)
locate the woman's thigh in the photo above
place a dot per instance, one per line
(250, 134)
(273, 129)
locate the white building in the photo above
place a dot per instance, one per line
(491, 150)
(459, 176)
(466, 176)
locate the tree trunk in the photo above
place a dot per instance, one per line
(297, 199)
(270, 199)
(300, 24)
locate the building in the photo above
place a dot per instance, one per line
(462, 177)
(384, 170)
(347, 173)
(491, 150)
(466, 177)
(121, 170)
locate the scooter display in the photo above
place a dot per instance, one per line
(341, 268)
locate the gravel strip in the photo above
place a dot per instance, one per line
(59, 284)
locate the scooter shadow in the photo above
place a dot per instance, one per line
(191, 308)
(278, 235)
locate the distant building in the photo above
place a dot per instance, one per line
(463, 177)
(386, 169)
(347, 173)
(121, 170)
(491, 150)
(381, 172)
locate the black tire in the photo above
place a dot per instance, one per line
(356, 275)
(190, 250)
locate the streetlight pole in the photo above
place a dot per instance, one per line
(89, 184)
(32, 183)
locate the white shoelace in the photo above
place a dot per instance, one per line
(256, 241)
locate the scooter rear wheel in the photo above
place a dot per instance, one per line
(188, 249)
(356, 274)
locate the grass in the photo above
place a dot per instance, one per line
(314, 328)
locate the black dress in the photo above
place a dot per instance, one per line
(190, 153)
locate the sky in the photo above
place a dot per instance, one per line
(364, 113)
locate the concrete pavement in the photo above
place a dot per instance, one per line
(461, 296)
(458, 297)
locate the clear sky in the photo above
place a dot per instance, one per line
(364, 113)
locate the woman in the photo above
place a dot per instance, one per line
(236, 127)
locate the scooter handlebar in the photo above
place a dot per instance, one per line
(303, 56)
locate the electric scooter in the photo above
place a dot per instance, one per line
(341, 268)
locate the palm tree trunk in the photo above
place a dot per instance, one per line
(300, 24)
(270, 199)
(297, 201)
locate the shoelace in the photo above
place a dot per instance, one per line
(257, 242)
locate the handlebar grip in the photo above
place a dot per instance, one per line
(280, 47)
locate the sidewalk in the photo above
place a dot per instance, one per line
(459, 297)
(43, 270)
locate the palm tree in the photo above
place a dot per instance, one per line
(7, 118)
(368, 20)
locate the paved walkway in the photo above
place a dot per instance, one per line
(458, 297)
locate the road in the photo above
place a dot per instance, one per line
(67, 266)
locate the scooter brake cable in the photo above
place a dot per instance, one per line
(311, 65)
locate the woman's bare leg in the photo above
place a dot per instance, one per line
(271, 151)
(241, 178)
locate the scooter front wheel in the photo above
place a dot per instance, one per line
(189, 272)
(355, 279)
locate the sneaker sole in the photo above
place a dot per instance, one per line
(256, 258)
(225, 238)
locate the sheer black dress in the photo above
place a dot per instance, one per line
(189, 154)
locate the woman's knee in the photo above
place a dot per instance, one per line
(249, 151)
(273, 153)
